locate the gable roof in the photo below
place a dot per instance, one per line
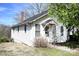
(33, 18)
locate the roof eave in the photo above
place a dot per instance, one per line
(30, 21)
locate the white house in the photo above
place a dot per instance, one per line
(39, 25)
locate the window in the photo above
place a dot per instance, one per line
(18, 28)
(25, 27)
(13, 28)
(62, 30)
(37, 30)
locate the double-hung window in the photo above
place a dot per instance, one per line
(37, 30)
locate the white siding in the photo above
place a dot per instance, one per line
(58, 32)
(24, 37)
(28, 36)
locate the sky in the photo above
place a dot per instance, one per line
(8, 12)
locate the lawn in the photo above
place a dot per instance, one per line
(15, 49)
(54, 52)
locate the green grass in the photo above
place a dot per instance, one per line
(54, 52)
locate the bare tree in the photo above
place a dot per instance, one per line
(35, 9)
(38, 7)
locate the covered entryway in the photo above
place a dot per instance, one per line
(50, 30)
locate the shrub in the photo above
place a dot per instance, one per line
(4, 39)
(41, 42)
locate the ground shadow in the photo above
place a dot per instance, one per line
(73, 42)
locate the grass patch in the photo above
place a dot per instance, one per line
(53, 52)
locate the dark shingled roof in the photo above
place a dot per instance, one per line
(31, 18)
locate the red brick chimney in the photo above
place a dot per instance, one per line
(22, 16)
